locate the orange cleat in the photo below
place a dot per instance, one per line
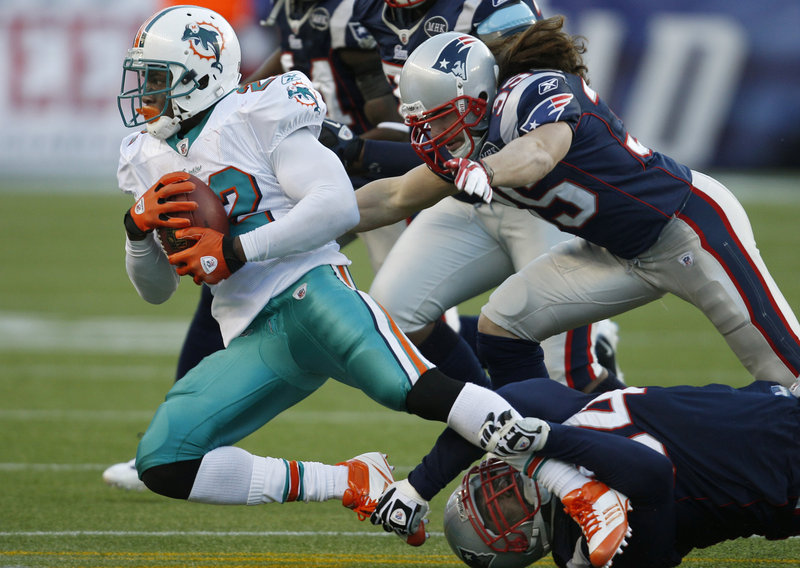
(368, 476)
(602, 514)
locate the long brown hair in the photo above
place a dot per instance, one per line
(544, 45)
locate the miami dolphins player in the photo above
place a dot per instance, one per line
(545, 142)
(461, 248)
(305, 32)
(289, 313)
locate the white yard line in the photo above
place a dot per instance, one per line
(38, 332)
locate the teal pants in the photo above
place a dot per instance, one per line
(320, 327)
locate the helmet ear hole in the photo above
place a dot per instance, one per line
(203, 82)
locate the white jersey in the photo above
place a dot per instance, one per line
(232, 150)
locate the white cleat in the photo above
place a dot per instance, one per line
(368, 476)
(124, 476)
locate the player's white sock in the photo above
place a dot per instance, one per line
(279, 480)
(233, 476)
(224, 477)
(559, 478)
(471, 408)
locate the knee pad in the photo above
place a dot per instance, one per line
(172, 479)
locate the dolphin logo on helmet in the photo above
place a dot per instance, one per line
(206, 38)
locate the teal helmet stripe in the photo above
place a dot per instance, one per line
(142, 35)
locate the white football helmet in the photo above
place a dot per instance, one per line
(498, 518)
(448, 74)
(189, 54)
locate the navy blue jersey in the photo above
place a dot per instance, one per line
(399, 31)
(732, 460)
(306, 31)
(700, 464)
(609, 189)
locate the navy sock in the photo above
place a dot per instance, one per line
(510, 360)
(448, 351)
(610, 383)
(469, 333)
(202, 338)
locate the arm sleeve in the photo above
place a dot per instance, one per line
(326, 206)
(383, 158)
(149, 270)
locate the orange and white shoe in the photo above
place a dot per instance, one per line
(602, 514)
(368, 476)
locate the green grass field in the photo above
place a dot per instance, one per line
(84, 362)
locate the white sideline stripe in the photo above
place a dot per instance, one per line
(292, 416)
(61, 467)
(200, 533)
(29, 332)
(40, 332)
(52, 466)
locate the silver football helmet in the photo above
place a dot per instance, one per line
(188, 54)
(450, 75)
(498, 518)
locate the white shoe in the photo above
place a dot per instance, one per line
(368, 475)
(124, 476)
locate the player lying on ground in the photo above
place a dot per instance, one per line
(700, 465)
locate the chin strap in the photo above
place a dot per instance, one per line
(163, 127)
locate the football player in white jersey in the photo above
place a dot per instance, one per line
(288, 311)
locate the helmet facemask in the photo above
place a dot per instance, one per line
(468, 125)
(505, 508)
(147, 80)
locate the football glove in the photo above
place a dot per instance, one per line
(402, 510)
(152, 209)
(508, 437)
(210, 260)
(473, 178)
(344, 143)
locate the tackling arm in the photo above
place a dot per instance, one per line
(529, 158)
(388, 200)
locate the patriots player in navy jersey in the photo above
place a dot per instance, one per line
(700, 464)
(460, 248)
(545, 142)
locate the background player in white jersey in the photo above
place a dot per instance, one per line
(288, 311)
(546, 142)
(461, 248)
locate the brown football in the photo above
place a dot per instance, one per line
(210, 213)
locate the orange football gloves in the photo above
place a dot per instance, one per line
(153, 208)
(210, 260)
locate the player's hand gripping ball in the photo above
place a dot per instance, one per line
(210, 214)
